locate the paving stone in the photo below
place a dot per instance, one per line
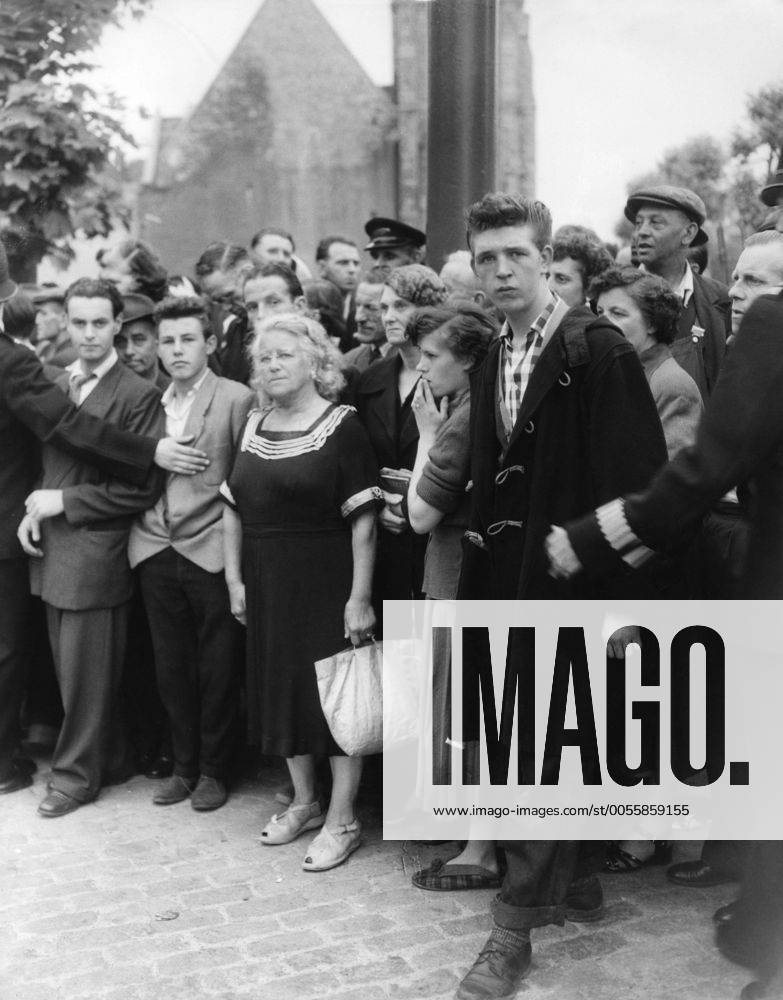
(279, 944)
(434, 983)
(252, 925)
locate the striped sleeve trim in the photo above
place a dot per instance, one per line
(371, 495)
(617, 532)
(226, 495)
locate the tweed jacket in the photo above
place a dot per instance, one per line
(33, 409)
(587, 422)
(704, 325)
(739, 441)
(194, 523)
(85, 562)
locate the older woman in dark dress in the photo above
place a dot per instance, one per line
(383, 396)
(300, 538)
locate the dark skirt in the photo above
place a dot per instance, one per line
(297, 585)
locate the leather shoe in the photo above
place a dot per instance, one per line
(209, 794)
(174, 789)
(161, 767)
(58, 804)
(697, 875)
(19, 775)
(584, 902)
(500, 967)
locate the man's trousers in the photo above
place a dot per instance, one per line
(198, 652)
(88, 649)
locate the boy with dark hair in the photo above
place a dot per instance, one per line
(560, 411)
(82, 572)
(177, 547)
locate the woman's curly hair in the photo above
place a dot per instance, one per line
(655, 300)
(418, 284)
(315, 342)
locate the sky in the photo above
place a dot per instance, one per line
(616, 82)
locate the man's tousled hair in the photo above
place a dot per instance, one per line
(497, 210)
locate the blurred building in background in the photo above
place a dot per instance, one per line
(293, 133)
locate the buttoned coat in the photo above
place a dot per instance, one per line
(85, 563)
(739, 441)
(587, 422)
(216, 420)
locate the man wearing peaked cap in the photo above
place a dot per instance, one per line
(772, 192)
(667, 221)
(392, 245)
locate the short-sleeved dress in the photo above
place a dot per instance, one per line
(296, 493)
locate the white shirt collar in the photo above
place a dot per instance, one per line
(685, 288)
(169, 391)
(105, 366)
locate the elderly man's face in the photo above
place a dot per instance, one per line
(661, 232)
(50, 321)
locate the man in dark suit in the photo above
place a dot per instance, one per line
(740, 440)
(33, 409)
(337, 260)
(667, 222)
(560, 413)
(81, 571)
(370, 333)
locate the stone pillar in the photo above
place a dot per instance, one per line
(411, 86)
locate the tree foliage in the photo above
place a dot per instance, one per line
(56, 133)
(764, 132)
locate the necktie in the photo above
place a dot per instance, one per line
(75, 383)
(375, 354)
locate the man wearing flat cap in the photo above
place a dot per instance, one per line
(667, 221)
(137, 341)
(393, 244)
(53, 342)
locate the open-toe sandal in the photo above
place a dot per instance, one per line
(288, 825)
(332, 847)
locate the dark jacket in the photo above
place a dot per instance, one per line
(740, 439)
(85, 562)
(587, 423)
(394, 435)
(704, 325)
(33, 409)
(233, 353)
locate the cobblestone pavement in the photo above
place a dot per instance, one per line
(123, 900)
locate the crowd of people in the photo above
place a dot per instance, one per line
(214, 480)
